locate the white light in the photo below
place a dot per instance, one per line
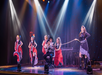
(48, 1)
(15, 20)
(61, 15)
(89, 15)
(41, 17)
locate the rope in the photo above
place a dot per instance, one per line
(70, 42)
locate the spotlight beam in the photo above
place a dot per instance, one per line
(61, 16)
(39, 13)
(15, 20)
(89, 15)
(41, 16)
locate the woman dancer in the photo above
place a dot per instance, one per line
(32, 51)
(58, 53)
(43, 44)
(18, 49)
(83, 36)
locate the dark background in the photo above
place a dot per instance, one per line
(74, 17)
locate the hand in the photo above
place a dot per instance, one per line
(85, 38)
(76, 39)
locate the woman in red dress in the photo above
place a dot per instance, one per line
(43, 44)
(58, 53)
(33, 51)
(18, 49)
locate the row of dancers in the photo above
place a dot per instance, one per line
(51, 51)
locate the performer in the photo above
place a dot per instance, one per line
(33, 51)
(58, 53)
(49, 51)
(53, 51)
(43, 44)
(18, 49)
(83, 36)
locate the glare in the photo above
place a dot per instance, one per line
(41, 15)
(60, 17)
(89, 16)
(15, 20)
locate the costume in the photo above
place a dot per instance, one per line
(84, 46)
(58, 56)
(49, 53)
(18, 51)
(33, 53)
(43, 49)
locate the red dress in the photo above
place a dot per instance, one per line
(34, 50)
(18, 51)
(58, 57)
(43, 49)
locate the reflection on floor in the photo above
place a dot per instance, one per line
(40, 70)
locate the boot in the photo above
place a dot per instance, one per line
(80, 64)
(85, 63)
(33, 61)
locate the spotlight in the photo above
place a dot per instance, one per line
(48, 1)
(43, 0)
(46, 68)
(89, 70)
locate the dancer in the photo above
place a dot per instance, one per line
(18, 49)
(58, 53)
(43, 44)
(32, 51)
(49, 51)
(83, 53)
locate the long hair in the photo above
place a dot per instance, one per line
(59, 40)
(19, 39)
(84, 30)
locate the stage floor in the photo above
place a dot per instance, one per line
(38, 70)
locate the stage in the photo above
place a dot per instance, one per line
(39, 70)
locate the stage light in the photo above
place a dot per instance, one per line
(40, 15)
(46, 68)
(89, 70)
(48, 1)
(60, 17)
(89, 16)
(15, 20)
(42, 18)
(43, 0)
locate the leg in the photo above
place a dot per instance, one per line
(33, 60)
(31, 57)
(85, 61)
(80, 59)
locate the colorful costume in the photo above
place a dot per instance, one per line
(33, 53)
(43, 49)
(58, 56)
(49, 54)
(18, 51)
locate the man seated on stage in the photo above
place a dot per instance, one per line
(49, 51)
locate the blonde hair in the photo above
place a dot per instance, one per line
(45, 37)
(84, 29)
(59, 40)
(18, 36)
